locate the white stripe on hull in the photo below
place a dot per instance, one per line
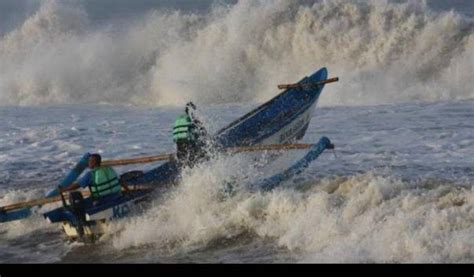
(101, 220)
(118, 211)
(288, 133)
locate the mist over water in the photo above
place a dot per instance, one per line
(384, 52)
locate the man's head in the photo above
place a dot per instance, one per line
(94, 160)
(189, 106)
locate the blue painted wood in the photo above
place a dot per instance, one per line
(92, 207)
(69, 179)
(252, 128)
(72, 175)
(272, 182)
(272, 116)
(14, 215)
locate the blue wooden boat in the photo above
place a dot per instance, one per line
(283, 119)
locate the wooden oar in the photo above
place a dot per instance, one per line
(139, 160)
(48, 200)
(164, 157)
(36, 202)
(310, 84)
(269, 147)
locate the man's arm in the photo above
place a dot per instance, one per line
(200, 128)
(72, 186)
(85, 181)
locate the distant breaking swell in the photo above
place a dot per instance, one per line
(383, 52)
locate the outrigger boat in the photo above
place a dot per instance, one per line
(283, 119)
(271, 126)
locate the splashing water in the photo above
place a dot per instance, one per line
(383, 51)
(400, 189)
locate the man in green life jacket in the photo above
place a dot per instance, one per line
(190, 137)
(101, 180)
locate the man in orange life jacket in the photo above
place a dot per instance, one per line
(101, 180)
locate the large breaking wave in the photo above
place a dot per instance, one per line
(383, 52)
(363, 218)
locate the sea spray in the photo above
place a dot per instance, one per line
(195, 211)
(32, 239)
(355, 219)
(35, 222)
(399, 190)
(384, 52)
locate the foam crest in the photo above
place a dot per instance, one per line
(384, 52)
(352, 219)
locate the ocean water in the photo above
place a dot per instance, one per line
(89, 76)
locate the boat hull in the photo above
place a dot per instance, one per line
(92, 222)
(283, 119)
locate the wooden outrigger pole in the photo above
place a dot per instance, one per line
(311, 84)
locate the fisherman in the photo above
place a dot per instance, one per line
(102, 181)
(190, 137)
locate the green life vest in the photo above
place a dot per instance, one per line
(104, 182)
(183, 129)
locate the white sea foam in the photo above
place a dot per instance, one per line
(19, 228)
(357, 219)
(400, 188)
(383, 52)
